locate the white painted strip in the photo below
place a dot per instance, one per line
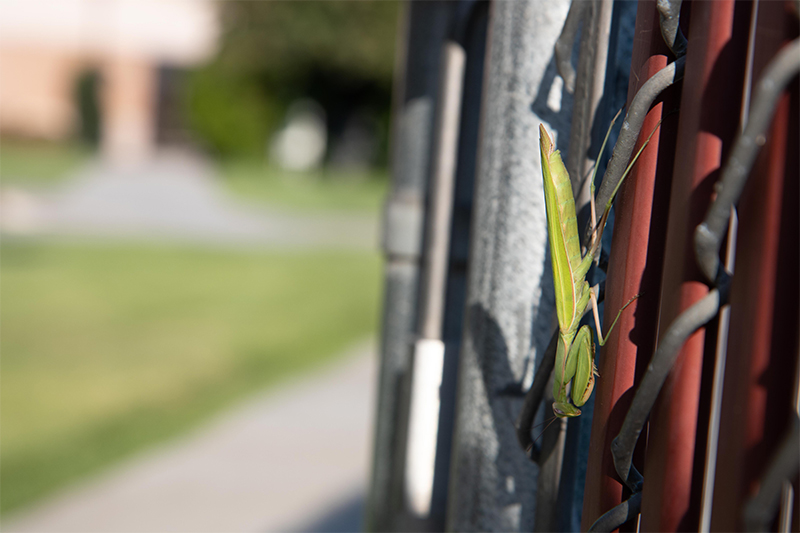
(423, 425)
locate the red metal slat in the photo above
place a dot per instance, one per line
(759, 376)
(762, 345)
(634, 268)
(711, 99)
(796, 513)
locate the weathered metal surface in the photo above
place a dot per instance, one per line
(510, 304)
(474, 42)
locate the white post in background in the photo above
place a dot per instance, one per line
(428, 360)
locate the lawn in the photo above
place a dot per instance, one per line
(330, 190)
(39, 164)
(107, 349)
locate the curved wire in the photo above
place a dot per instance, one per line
(620, 514)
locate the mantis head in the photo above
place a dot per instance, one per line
(565, 410)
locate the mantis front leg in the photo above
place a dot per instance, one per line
(575, 363)
(577, 367)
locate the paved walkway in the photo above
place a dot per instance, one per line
(172, 198)
(295, 459)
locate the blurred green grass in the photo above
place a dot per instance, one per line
(330, 190)
(37, 163)
(106, 349)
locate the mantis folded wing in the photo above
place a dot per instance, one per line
(575, 352)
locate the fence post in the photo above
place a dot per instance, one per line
(509, 313)
(471, 32)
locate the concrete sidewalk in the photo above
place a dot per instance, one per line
(294, 459)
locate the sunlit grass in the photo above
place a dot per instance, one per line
(39, 163)
(309, 191)
(108, 349)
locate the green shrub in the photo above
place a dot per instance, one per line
(229, 112)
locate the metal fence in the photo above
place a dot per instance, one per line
(694, 422)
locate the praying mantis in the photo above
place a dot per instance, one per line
(575, 350)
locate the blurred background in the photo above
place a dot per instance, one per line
(189, 203)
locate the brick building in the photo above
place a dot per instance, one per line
(115, 52)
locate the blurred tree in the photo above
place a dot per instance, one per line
(230, 112)
(86, 94)
(340, 53)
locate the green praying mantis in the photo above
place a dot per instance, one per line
(575, 351)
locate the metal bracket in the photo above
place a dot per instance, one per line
(402, 226)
